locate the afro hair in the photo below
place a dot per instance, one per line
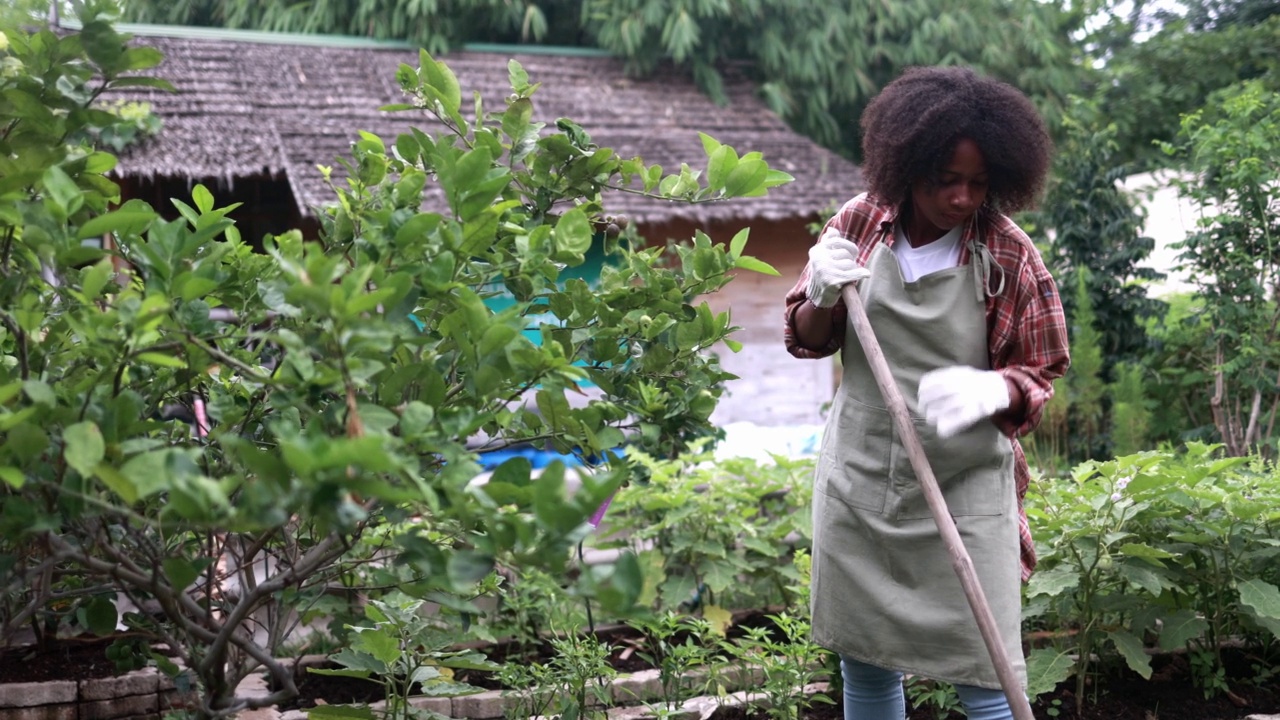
(910, 129)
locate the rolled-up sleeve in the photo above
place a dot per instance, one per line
(1031, 347)
(794, 299)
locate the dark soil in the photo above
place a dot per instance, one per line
(60, 659)
(1170, 694)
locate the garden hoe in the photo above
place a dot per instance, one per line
(960, 560)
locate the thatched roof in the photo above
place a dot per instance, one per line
(248, 106)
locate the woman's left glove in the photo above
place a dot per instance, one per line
(954, 398)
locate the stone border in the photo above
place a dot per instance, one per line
(145, 692)
(149, 693)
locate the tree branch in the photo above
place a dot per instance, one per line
(21, 338)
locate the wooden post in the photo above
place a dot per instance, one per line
(960, 559)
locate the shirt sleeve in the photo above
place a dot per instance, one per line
(1030, 345)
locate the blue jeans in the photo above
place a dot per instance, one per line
(873, 693)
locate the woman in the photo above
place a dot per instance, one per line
(971, 324)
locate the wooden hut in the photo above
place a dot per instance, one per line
(256, 113)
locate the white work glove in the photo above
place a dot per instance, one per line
(833, 264)
(953, 398)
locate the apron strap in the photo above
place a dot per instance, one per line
(984, 263)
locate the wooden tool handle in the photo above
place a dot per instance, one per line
(960, 560)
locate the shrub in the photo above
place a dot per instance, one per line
(220, 436)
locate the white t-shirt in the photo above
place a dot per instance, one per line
(940, 254)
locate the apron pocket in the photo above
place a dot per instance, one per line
(971, 469)
(855, 463)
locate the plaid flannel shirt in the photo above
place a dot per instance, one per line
(1026, 330)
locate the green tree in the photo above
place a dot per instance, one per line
(437, 25)
(818, 63)
(18, 13)
(1147, 86)
(1085, 384)
(1130, 411)
(1179, 367)
(328, 391)
(1096, 233)
(1233, 259)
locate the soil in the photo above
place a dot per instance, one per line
(1170, 694)
(61, 659)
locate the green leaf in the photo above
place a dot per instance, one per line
(131, 219)
(182, 572)
(141, 58)
(29, 107)
(150, 472)
(719, 618)
(40, 393)
(467, 567)
(627, 577)
(100, 162)
(1180, 628)
(1046, 669)
(379, 643)
(721, 165)
(353, 660)
(747, 177)
(573, 233)
(341, 672)
(62, 190)
(516, 118)
(747, 262)
(467, 173)
(95, 277)
(1053, 582)
(151, 82)
(161, 360)
(84, 447)
(517, 76)
(1261, 597)
(1131, 649)
(438, 76)
(470, 661)
(417, 227)
(101, 616)
(1142, 577)
(117, 482)
(13, 477)
(203, 199)
(776, 178)
(710, 145)
(739, 243)
(1146, 552)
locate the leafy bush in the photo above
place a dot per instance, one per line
(220, 436)
(714, 532)
(1181, 549)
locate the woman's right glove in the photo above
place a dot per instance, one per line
(833, 264)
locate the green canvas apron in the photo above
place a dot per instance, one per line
(884, 591)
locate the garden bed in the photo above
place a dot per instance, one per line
(1170, 694)
(73, 678)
